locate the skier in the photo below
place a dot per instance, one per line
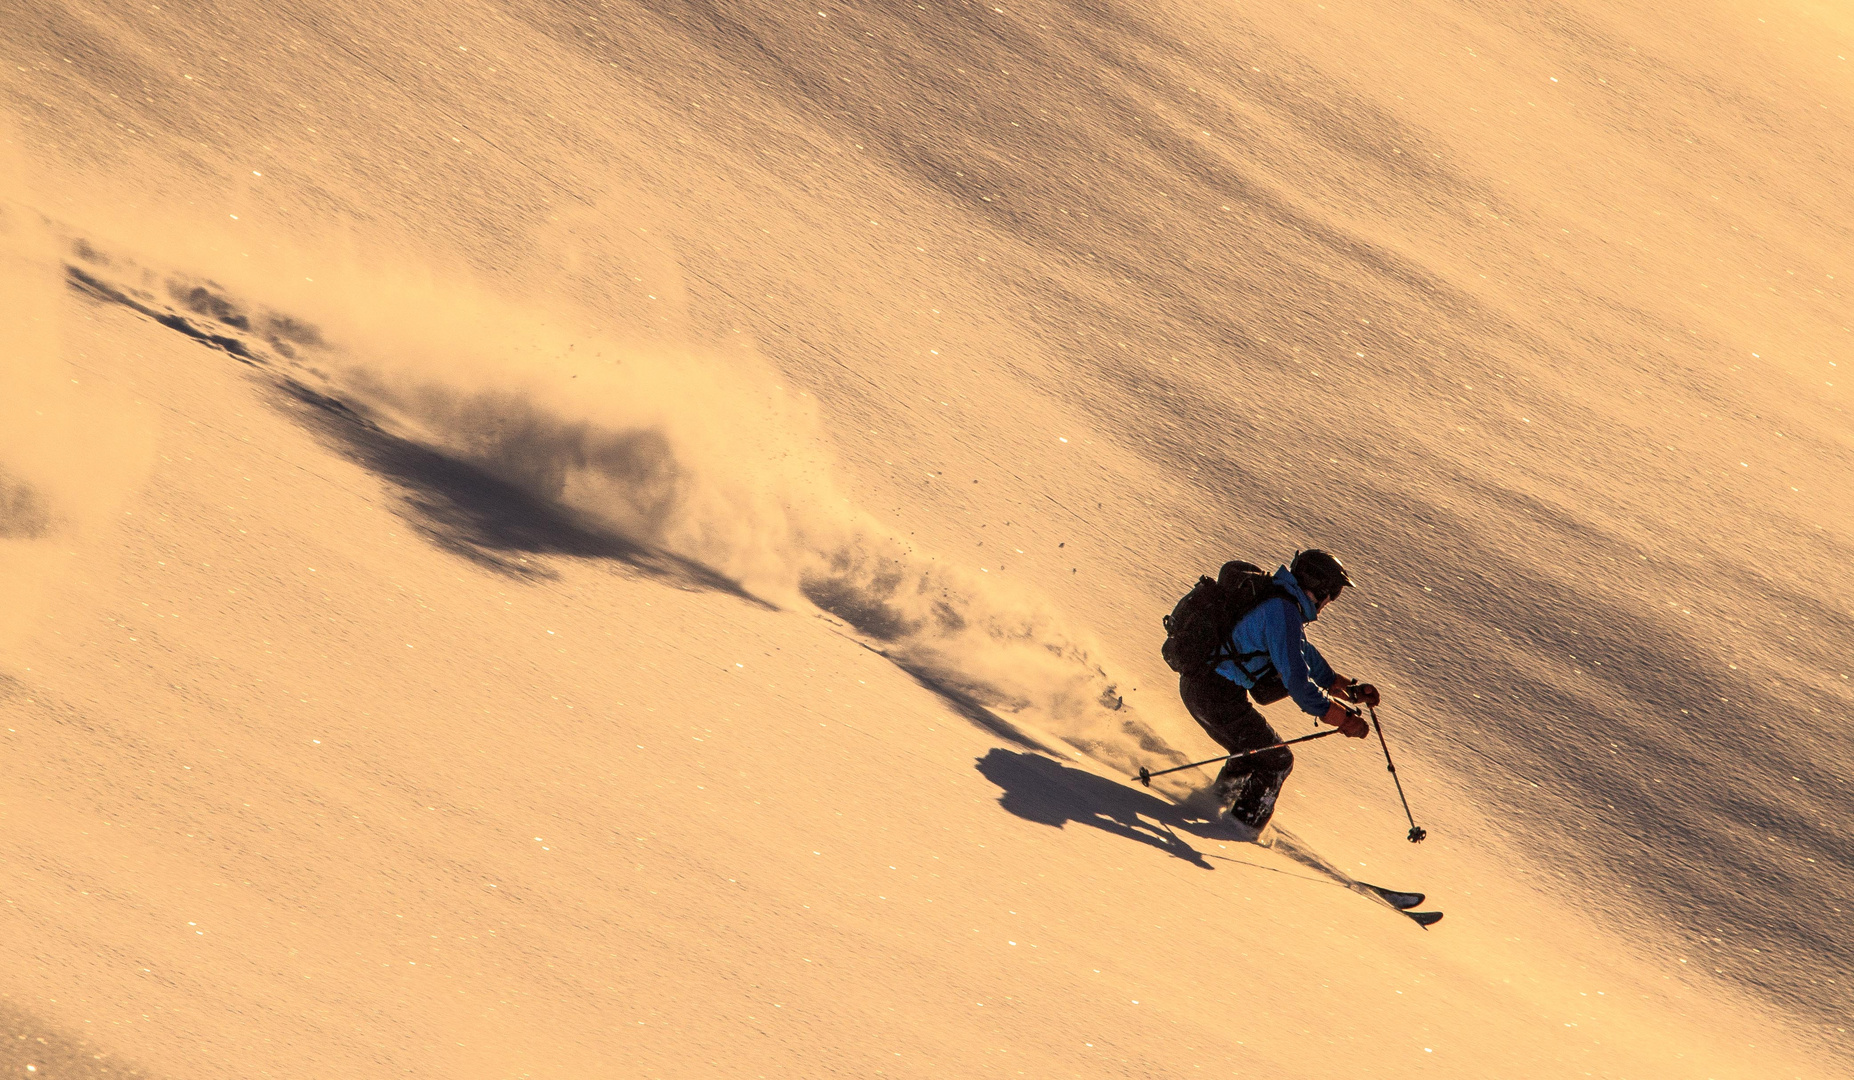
(1266, 655)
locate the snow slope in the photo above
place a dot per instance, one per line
(628, 539)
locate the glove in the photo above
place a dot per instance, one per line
(1346, 720)
(1362, 692)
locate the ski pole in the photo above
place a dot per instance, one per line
(1417, 832)
(1145, 776)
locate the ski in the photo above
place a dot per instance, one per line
(1402, 901)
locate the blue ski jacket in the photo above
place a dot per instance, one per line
(1271, 637)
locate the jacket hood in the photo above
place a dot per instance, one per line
(1309, 611)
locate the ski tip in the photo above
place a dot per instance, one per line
(1402, 901)
(1424, 919)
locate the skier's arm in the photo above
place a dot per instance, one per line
(1336, 684)
(1318, 669)
(1286, 640)
(1286, 646)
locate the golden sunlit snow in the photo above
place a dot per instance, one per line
(627, 539)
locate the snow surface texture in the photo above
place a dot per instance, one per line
(553, 540)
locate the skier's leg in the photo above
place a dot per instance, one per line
(1249, 784)
(1254, 804)
(1220, 707)
(1223, 710)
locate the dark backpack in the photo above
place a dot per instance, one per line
(1198, 629)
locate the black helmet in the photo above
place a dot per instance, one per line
(1319, 574)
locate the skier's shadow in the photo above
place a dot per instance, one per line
(1049, 793)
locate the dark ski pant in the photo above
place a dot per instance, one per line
(1248, 785)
